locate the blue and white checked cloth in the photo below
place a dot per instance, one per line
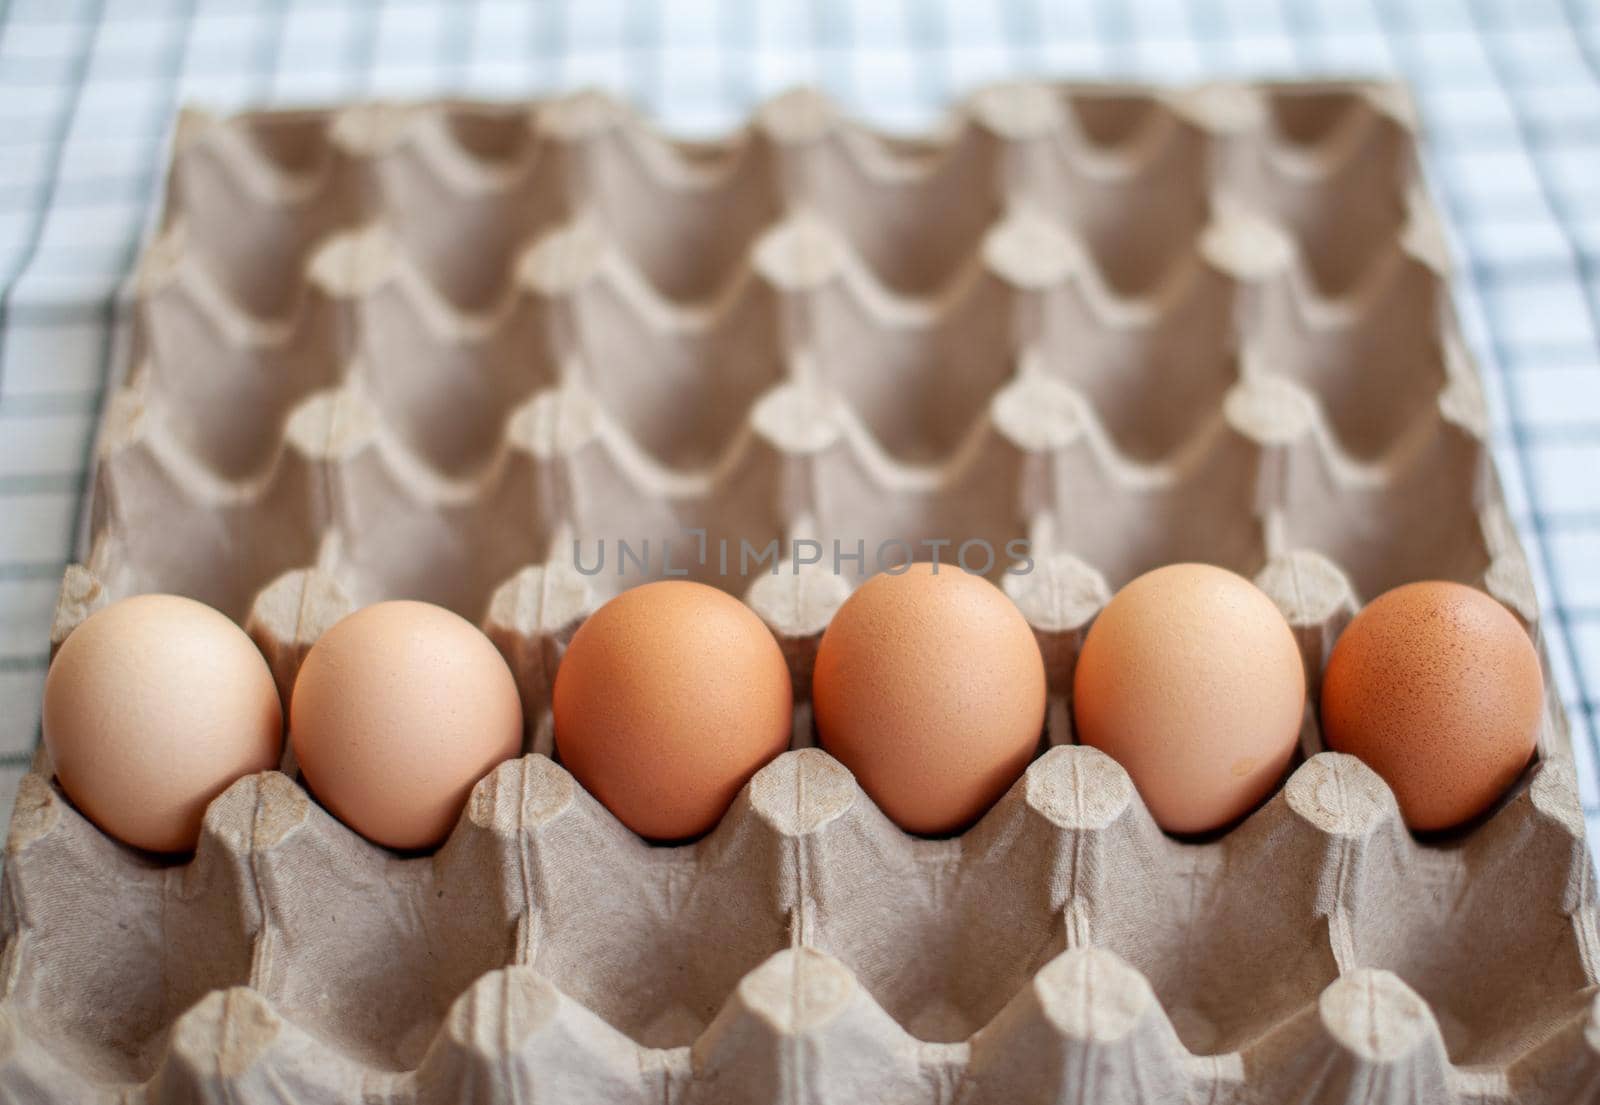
(1509, 89)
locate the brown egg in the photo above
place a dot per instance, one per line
(1438, 688)
(669, 698)
(930, 688)
(152, 707)
(397, 711)
(1190, 679)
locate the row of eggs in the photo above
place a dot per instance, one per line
(928, 685)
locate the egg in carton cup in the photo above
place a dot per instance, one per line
(459, 351)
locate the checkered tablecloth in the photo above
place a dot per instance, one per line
(1509, 89)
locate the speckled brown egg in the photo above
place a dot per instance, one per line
(668, 699)
(930, 688)
(152, 707)
(398, 710)
(1438, 688)
(1190, 678)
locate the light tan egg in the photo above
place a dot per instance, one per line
(152, 707)
(930, 688)
(396, 712)
(1438, 688)
(668, 699)
(1191, 680)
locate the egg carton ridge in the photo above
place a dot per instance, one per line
(1075, 817)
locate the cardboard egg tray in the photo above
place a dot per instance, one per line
(443, 351)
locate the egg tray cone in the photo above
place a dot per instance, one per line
(445, 350)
